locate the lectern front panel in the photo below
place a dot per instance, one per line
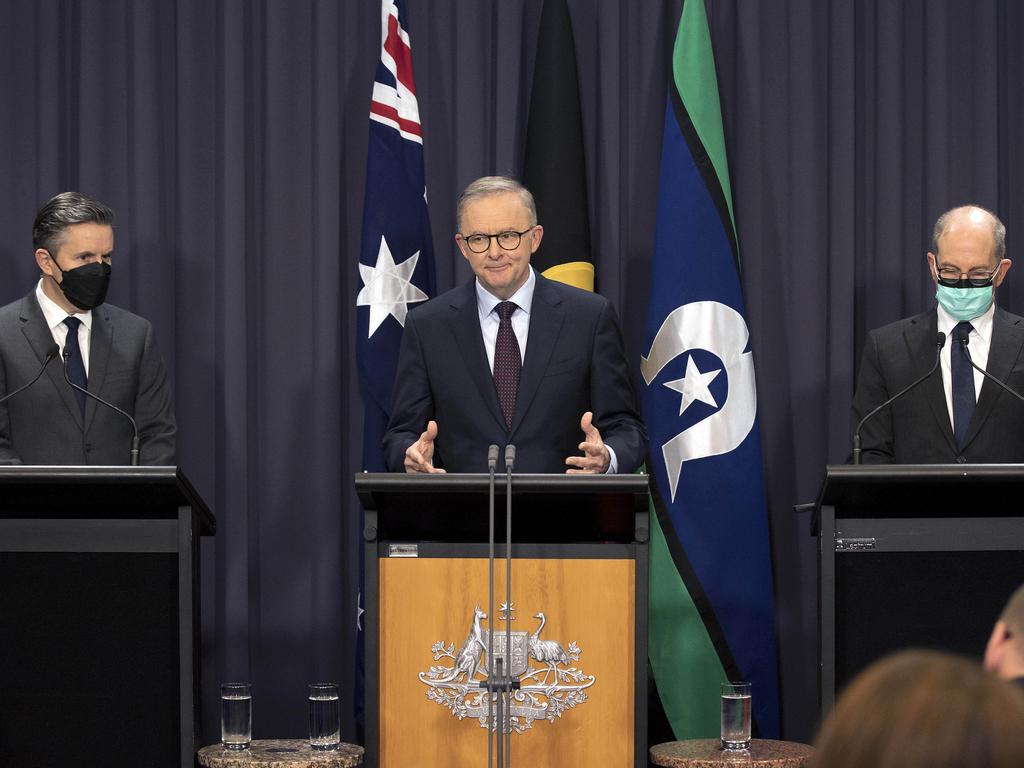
(573, 643)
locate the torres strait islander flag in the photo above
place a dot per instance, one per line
(396, 260)
(712, 615)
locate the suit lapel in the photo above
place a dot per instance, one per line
(546, 318)
(920, 337)
(33, 325)
(464, 322)
(1007, 340)
(100, 343)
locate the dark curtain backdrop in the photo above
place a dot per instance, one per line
(230, 137)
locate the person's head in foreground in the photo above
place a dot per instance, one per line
(924, 709)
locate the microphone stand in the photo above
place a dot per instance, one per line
(492, 461)
(940, 341)
(988, 375)
(510, 460)
(135, 430)
(50, 354)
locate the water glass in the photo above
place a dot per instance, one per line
(324, 716)
(236, 715)
(735, 715)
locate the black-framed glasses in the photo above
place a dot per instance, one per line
(508, 240)
(951, 277)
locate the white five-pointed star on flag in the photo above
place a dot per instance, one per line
(387, 287)
(694, 386)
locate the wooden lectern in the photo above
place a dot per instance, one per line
(578, 618)
(99, 615)
(913, 556)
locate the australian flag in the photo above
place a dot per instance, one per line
(396, 259)
(712, 605)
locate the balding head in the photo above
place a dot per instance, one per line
(1005, 652)
(971, 218)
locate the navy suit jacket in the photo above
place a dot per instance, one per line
(43, 424)
(916, 429)
(574, 363)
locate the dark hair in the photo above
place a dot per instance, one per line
(63, 211)
(924, 709)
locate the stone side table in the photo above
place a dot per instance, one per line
(708, 753)
(280, 753)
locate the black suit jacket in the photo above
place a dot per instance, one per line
(43, 424)
(574, 363)
(916, 429)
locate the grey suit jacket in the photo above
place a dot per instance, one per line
(916, 428)
(574, 363)
(43, 424)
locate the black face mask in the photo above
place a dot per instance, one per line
(85, 286)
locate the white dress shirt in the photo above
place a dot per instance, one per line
(978, 343)
(55, 321)
(486, 302)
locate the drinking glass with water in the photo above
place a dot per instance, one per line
(324, 716)
(236, 715)
(735, 715)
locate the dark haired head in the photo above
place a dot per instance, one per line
(63, 211)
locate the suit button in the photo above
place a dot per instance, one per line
(961, 459)
(88, 447)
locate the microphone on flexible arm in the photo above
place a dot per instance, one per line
(488, 685)
(988, 375)
(98, 399)
(940, 340)
(51, 353)
(510, 460)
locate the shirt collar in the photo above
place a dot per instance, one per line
(54, 314)
(982, 324)
(523, 298)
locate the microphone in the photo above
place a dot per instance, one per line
(492, 458)
(98, 399)
(509, 684)
(940, 340)
(988, 375)
(51, 352)
(510, 457)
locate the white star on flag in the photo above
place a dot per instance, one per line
(694, 386)
(387, 287)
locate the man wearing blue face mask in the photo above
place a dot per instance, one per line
(62, 334)
(958, 417)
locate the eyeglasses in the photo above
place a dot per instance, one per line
(976, 278)
(508, 241)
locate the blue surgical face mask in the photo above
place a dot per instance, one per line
(964, 303)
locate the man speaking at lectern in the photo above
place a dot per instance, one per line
(957, 414)
(64, 326)
(511, 358)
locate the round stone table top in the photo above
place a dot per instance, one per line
(708, 753)
(280, 753)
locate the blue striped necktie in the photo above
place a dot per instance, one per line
(75, 364)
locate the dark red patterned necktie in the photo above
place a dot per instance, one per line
(508, 362)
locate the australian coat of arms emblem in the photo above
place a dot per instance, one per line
(549, 681)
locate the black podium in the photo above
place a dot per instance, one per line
(913, 556)
(99, 615)
(579, 577)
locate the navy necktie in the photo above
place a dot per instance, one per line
(962, 375)
(508, 362)
(76, 366)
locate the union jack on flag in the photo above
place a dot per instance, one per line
(396, 259)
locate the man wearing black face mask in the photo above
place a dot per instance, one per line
(108, 351)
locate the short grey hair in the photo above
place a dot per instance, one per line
(486, 186)
(998, 229)
(65, 210)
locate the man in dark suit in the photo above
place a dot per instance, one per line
(511, 358)
(1004, 654)
(959, 416)
(108, 351)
